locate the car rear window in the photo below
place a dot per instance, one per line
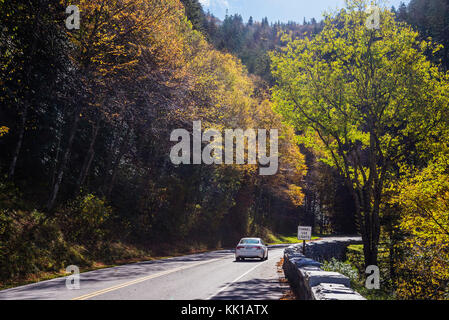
(249, 241)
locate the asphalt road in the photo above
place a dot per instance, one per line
(213, 275)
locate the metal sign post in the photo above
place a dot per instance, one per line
(304, 233)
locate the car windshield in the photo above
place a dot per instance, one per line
(249, 241)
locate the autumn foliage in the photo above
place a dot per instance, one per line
(90, 113)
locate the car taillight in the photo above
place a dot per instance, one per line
(240, 247)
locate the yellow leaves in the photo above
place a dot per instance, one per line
(138, 39)
(423, 272)
(220, 84)
(223, 95)
(109, 27)
(296, 195)
(3, 130)
(423, 200)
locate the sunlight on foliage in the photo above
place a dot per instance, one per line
(3, 130)
(424, 202)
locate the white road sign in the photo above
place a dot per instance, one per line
(304, 233)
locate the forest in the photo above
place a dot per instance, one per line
(86, 116)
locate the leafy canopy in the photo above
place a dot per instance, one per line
(351, 89)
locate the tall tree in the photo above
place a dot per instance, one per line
(194, 12)
(30, 46)
(115, 39)
(362, 96)
(431, 19)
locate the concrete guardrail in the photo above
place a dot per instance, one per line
(307, 278)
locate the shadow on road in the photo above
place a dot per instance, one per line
(256, 289)
(93, 279)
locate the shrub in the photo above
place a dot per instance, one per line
(111, 252)
(344, 268)
(84, 220)
(31, 243)
(9, 196)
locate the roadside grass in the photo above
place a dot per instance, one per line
(355, 260)
(140, 256)
(125, 254)
(287, 239)
(381, 294)
(128, 254)
(356, 248)
(43, 276)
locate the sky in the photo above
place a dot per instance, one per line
(277, 10)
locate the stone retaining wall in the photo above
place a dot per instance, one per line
(307, 278)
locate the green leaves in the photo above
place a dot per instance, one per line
(349, 82)
(365, 100)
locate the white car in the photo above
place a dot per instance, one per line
(251, 248)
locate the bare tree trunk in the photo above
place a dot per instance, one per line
(122, 151)
(56, 158)
(391, 249)
(89, 158)
(370, 229)
(368, 223)
(108, 166)
(62, 167)
(12, 167)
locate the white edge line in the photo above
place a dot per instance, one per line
(235, 280)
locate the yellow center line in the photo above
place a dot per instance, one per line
(139, 280)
